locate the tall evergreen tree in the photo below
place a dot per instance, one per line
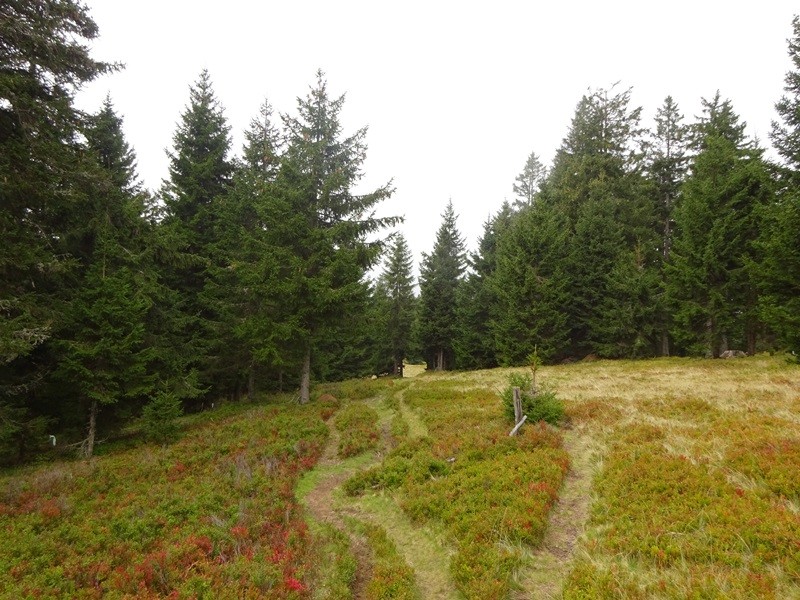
(530, 286)
(779, 271)
(631, 307)
(200, 175)
(199, 169)
(321, 226)
(103, 354)
(710, 286)
(667, 163)
(44, 61)
(247, 331)
(441, 275)
(475, 344)
(396, 291)
(105, 138)
(596, 182)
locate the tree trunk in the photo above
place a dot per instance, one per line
(440, 360)
(305, 378)
(89, 449)
(251, 384)
(664, 343)
(280, 381)
(752, 338)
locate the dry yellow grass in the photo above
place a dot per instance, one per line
(720, 527)
(684, 480)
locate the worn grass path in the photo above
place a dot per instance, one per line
(425, 549)
(316, 490)
(422, 548)
(543, 576)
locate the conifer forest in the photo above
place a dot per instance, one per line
(261, 269)
(244, 385)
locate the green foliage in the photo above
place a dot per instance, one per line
(441, 274)
(477, 298)
(778, 271)
(263, 144)
(460, 476)
(214, 513)
(21, 433)
(630, 308)
(713, 294)
(527, 183)
(395, 305)
(323, 229)
(200, 170)
(666, 166)
(530, 286)
(539, 403)
(104, 136)
(593, 209)
(357, 426)
(391, 575)
(200, 174)
(49, 182)
(160, 418)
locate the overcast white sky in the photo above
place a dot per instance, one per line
(455, 94)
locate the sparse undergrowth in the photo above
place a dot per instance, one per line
(357, 424)
(488, 490)
(213, 515)
(697, 494)
(391, 575)
(333, 577)
(699, 487)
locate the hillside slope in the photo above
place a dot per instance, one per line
(673, 478)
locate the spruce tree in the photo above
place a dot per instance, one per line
(530, 286)
(199, 177)
(779, 270)
(596, 182)
(263, 143)
(667, 163)
(475, 345)
(105, 138)
(247, 331)
(630, 306)
(397, 302)
(199, 169)
(102, 349)
(716, 224)
(321, 231)
(441, 275)
(44, 61)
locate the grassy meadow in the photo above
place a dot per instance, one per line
(670, 478)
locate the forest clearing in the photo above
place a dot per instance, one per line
(203, 383)
(669, 478)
